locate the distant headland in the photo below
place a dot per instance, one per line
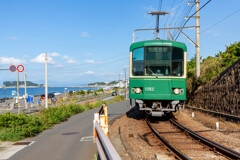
(10, 84)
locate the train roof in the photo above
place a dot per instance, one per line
(158, 43)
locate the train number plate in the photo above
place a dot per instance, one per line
(151, 89)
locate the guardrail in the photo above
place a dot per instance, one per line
(100, 132)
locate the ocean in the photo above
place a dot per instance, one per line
(39, 91)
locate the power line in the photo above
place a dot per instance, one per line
(183, 18)
(192, 16)
(169, 14)
(159, 5)
(221, 21)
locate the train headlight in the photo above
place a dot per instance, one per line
(176, 91)
(138, 90)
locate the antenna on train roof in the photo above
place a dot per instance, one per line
(157, 13)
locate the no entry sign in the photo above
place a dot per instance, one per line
(20, 68)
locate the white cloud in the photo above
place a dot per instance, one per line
(54, 54)
(41, 59)
(126, 66)
(69, 60)
(11, 61)
(90, 61)
(89, 72)
(65, 57)
(12, 38)
(84, 34)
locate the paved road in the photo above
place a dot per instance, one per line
(53, 145)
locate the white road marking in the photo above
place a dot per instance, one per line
(9, 152)
(107, 98)
(89, 138)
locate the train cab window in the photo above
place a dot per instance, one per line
(177, 62)
(138, 62)
(158, 61)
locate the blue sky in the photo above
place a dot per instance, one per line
(88, 41)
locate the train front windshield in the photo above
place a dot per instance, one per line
(158, 61)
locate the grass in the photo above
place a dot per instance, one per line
(15, 127)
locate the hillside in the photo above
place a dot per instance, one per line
(21, 83)
(210, 67)
(103, 83)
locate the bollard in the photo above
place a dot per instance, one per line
(192, 114)
(217, 126)
(96, 119)
(106, 120)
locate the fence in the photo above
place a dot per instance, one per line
(221, 94)
(100, 132)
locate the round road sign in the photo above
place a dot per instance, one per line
(20, 68)
(12, 68)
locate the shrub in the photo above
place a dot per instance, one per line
(14, 127)
(118, 98)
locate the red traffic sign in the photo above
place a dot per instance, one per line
(12, 68)
(20, 68)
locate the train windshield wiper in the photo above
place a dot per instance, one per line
(152, 72)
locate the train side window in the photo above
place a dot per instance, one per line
(138, 62)
(177, 61)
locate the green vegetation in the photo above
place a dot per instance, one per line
(113, 83)
(103, 83)
(210, 67)
(118, 98)
(14, 127)
(98, 83)
(14, 83)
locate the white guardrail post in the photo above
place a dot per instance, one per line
(100, 133)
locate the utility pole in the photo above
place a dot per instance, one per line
(119, 81)
(25, 84)
(125, 84)
(197, 40)
(46, 82)
(25, 98)
(18, 92)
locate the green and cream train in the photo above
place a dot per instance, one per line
(157, 76)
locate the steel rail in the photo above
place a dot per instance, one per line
(227, 116)
(176, 152)
(218, 147)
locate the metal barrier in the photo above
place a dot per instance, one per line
(100, 132)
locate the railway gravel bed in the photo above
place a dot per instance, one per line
(134, 140)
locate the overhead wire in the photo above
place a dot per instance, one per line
(159, 5)
(183, 18)
(192, 16)
(180, 17)
(169, 14)
(221, 20)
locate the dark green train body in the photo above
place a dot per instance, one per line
(157, 79)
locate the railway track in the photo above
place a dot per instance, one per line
(186, 144)
(219, 114)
